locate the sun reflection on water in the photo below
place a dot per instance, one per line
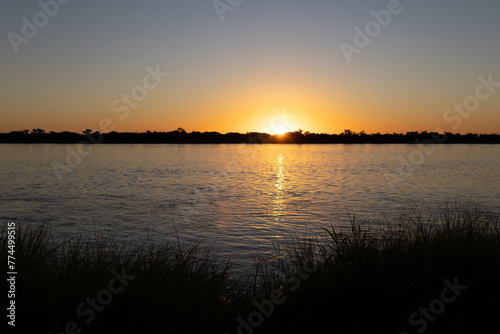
(279, 200)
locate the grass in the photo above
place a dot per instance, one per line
(372, 282)
(176, 288)
(359, 281)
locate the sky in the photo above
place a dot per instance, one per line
(250, 65)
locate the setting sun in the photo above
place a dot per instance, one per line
(279, 130)
(279, 122)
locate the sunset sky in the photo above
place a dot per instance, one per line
(251, 65)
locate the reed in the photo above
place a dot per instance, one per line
(359, 281)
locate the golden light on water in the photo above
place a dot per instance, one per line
(279, 201)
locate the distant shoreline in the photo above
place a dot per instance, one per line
(38, 136)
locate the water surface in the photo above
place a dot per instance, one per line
(242, 197)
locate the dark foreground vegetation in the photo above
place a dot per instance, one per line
(180, 136)
(421, 274)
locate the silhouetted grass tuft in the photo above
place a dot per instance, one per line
(373, 281)
(170, 287)
(360, 281)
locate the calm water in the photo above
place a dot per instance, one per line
(240, 196)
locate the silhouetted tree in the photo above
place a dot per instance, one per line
(37, 131)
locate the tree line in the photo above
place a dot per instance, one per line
(180, 136)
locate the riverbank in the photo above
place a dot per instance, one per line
(180, 136)
(437, 274)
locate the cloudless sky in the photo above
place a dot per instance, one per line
(268, 63)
